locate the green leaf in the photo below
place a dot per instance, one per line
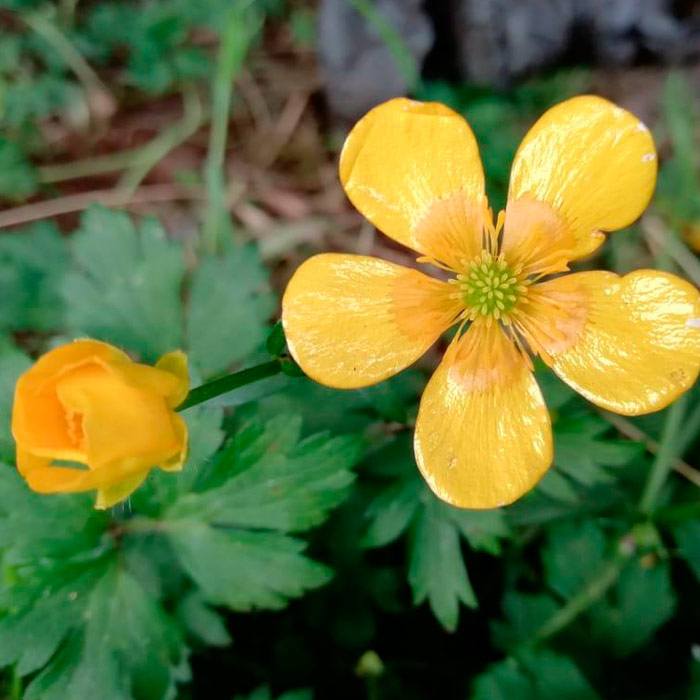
(36, 526)
(13, 363)
(437, 571)
(680, 178)
(231, 536)
(558, 486)
(290, 487)
(31, 635)
(323, 408)
(583, 455)
(583, 452)
(687, 535)
(201, 621)
(524, 614)
(17, 175)
(230, 304)
(574, 554)
(392, 512)
(126, 285)
(534, 675)
(276, 342)
(33, 263)
(35, 99)
(556, 392)
(483, 529)
(126, 647)
(264, 693)
(245, 570)
(642, 601)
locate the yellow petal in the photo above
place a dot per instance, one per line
(119, 421)
(169, 378)
(177, 461)
(28, 461)
(594, 167)
(352, 320)
(65, 357)
(635, 346)
(110, 495)
(39, 420)
(483, 435)
(175, 363)
(60, 480)
(413, 170)
(57, 479)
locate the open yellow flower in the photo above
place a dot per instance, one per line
(88, 403)
(629, 344)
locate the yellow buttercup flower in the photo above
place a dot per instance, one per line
(629, 344)
(88, 403)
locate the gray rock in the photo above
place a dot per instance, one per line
(501, 40)
(359, 69)
(494, 42)
(623, 29)
(498, 40)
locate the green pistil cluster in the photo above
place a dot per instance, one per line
(489, 287)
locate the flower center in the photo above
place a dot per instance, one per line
(489, 287)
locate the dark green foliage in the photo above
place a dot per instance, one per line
(436, 571)
(107, 604)
(12, 363)
(235, 290)
(126, 284)
(33, 262)
(86, 602)
(264, 693)
(276, 343)
(17, 176)
(540, 675)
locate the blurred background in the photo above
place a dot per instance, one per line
(224, 119)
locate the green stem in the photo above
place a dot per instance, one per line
(16, 690)
(99, 165)
(372, 687)
(217, 387)
(70, 55)
(592, 592)
(140, 159)
(236, 39)
(690, 430)
(667, 452)
(153, 152)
